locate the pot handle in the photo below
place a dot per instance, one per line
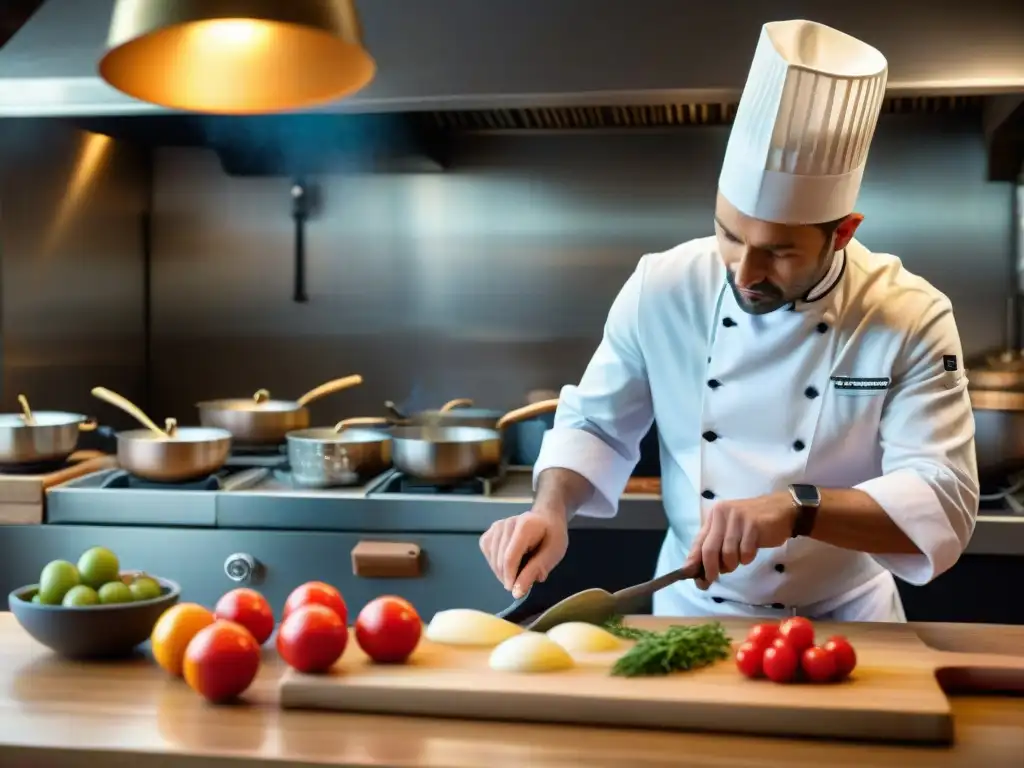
(26, 411)
(391, 408)
(361, 421)
(459, 402)
(261, 396)
(528, 412)
(128, 407)
(329, 389)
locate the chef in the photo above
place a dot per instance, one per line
(816, 433)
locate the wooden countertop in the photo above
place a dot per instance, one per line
(60, 714)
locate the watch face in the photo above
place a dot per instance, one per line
(807, 494)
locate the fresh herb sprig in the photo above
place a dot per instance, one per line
(676, 649)
(617, 626)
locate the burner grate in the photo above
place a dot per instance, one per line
(398, 482)
(35, 467)
(127, 480)
(1007, 495)
(241, 450)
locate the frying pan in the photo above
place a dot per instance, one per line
(260, 420)
(446, 454)
(42, 436)
(170, 455)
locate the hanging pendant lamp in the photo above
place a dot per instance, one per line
(236, 56)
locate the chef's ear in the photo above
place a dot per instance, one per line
(846, 230)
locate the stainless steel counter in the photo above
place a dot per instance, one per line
(273, 504)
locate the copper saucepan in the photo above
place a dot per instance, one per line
(170, 455)
(261, 420)
(33, 437)
(446, 454)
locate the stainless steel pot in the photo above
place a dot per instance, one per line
(998, 431)
(261, 420)
(170, 455)
(40, 436)
(443, 454)
(324, 457)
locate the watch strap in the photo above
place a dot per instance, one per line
(806, 516)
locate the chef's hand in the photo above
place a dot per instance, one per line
(506, 542)
(733, 531)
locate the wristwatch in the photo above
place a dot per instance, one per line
(807, 499)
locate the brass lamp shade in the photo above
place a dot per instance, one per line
(236, 56)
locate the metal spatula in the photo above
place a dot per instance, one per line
(595, 606)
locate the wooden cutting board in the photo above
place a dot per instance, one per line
(894, 695)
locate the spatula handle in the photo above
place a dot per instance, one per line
(513, 612)
(648, 588)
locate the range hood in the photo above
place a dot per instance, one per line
(476, 54)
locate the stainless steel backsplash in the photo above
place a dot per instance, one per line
(486, 280)
(72, 270)
(494, 277)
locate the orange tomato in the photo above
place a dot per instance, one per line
(173, 632)
(222, 661)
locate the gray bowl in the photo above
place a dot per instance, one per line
(95, 631)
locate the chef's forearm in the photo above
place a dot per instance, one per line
(560, 492)
(851, 519)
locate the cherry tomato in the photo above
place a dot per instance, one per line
(818, 664)
(311, 638)
(780, 662)
(763, 634)
(320, 593)
(749, 659)
(250, 609)
(799, 632)
(845, 657)
(221, 661)
(388, 629)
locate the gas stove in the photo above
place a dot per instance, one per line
(394, 481)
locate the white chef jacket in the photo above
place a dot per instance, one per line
(858, 385)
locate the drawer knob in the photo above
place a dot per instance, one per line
(241, 567)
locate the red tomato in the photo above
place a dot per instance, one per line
(749, 659)
(818, 664)
(248, 608)
(763, 634)
(221, 661)
(780, 662)
(320, 593)
(799, 632)
(311, 638)
(388, 629)
(845, 657)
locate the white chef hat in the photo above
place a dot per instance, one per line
(805, 121)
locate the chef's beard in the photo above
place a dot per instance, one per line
(768, 297)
